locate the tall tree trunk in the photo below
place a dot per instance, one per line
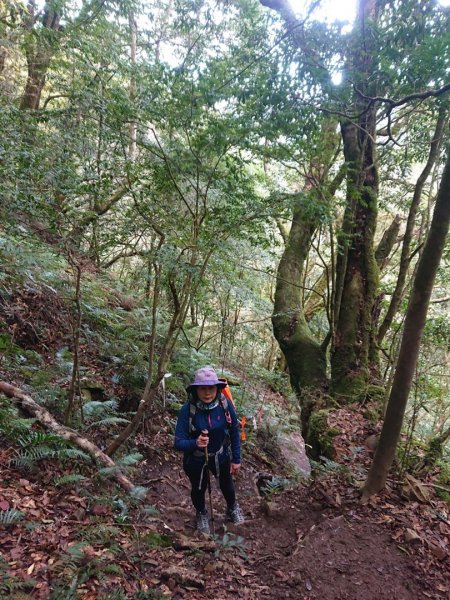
(410, 224)
(132, 128)
(357, 271)
(412, 335)
(40, 47)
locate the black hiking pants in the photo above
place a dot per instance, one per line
(193, 469)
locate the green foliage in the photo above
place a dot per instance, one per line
(10, 585)
(11, 516)
(325, 465)
(129, 460)
(276, 380)
(38, 445)
(102, 533)
(230, 541)
(11, 424)
(443, 491)
(98, 414)
(75, 566)
(321, 435)
(153, 539)
(68, 480)
(274, 486)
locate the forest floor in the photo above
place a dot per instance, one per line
(314, 540)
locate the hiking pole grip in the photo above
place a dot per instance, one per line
(205, 432)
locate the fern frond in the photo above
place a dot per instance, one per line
(102, 533)
(139, 492)
(10, 516)
(69, 479)
(40, 438)
(113, 569)
(30, 455)
(109, 421)
(76, 550)
(96, 408)
(11, 424)
(130, 459)
(72, 453)
(107, 470)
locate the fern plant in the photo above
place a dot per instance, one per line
(40, 445)
(69, 479)
(275, 486)
(11, 424)
(11, 516)
(11, 586)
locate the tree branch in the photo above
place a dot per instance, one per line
(47, 420)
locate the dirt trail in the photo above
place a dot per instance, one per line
(302, 544)
(314, 541)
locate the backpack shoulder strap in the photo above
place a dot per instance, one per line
(192, 411)
(224, 404)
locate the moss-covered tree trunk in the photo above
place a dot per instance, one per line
(304, 355)
(412, 335)
(357, 270)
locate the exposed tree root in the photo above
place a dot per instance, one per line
(46, 419)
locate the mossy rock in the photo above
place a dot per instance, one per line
(320, 435)
(410, 454)
(372, 414)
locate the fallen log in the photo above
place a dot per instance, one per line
(47, 420)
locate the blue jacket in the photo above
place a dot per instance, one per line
(214, 421)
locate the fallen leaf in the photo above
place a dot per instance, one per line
(101, 509)
(439, 552)
(411, 536)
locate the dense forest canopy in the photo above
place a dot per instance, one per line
(251, 174)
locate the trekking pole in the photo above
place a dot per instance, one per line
(205, 432)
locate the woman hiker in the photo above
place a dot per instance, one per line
(209, 421)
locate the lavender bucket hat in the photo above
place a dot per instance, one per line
(206, 376)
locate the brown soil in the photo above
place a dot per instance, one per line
(312, 542)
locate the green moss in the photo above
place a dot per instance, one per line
(410, 453)
(153, 539)
(350, 389)
(434, 451)
(372, 414)
(444, 481)
(375, 393)
(320, 435)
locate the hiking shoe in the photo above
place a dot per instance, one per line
(235, 514)
(202, 521)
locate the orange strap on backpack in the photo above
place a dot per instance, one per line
(243, 433)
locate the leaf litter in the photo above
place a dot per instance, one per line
(315, 542)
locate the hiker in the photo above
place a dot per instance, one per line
(208, 420)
